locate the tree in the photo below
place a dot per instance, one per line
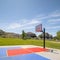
(2, 33)
(58, 35)
(23, 35)
(55, 37)
(31, 35)
(47, 36)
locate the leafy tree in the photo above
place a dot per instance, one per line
(55, 38)
(23, 35)
(2, 33)
(30, 35)
(58, 35)
(47, 36)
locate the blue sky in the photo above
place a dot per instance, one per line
(18, 15)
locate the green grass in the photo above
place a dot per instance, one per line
(15, 41)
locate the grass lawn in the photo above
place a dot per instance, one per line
(15, 41)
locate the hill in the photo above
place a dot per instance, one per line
(9, 34)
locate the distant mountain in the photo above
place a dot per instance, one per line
(8, 34)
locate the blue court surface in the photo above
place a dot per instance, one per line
(30, 56)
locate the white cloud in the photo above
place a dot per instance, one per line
(28, 27)
(14, 26)
(26, 24)
(34, 22)
(50, 15)
(53, 27)
(55, 14)
(54, 20)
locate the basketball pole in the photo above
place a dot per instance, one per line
(39, 29)
(43, 37)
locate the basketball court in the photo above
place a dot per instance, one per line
(26, 52)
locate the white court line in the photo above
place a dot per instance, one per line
(6, 53)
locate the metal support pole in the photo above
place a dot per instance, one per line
(44, 38)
